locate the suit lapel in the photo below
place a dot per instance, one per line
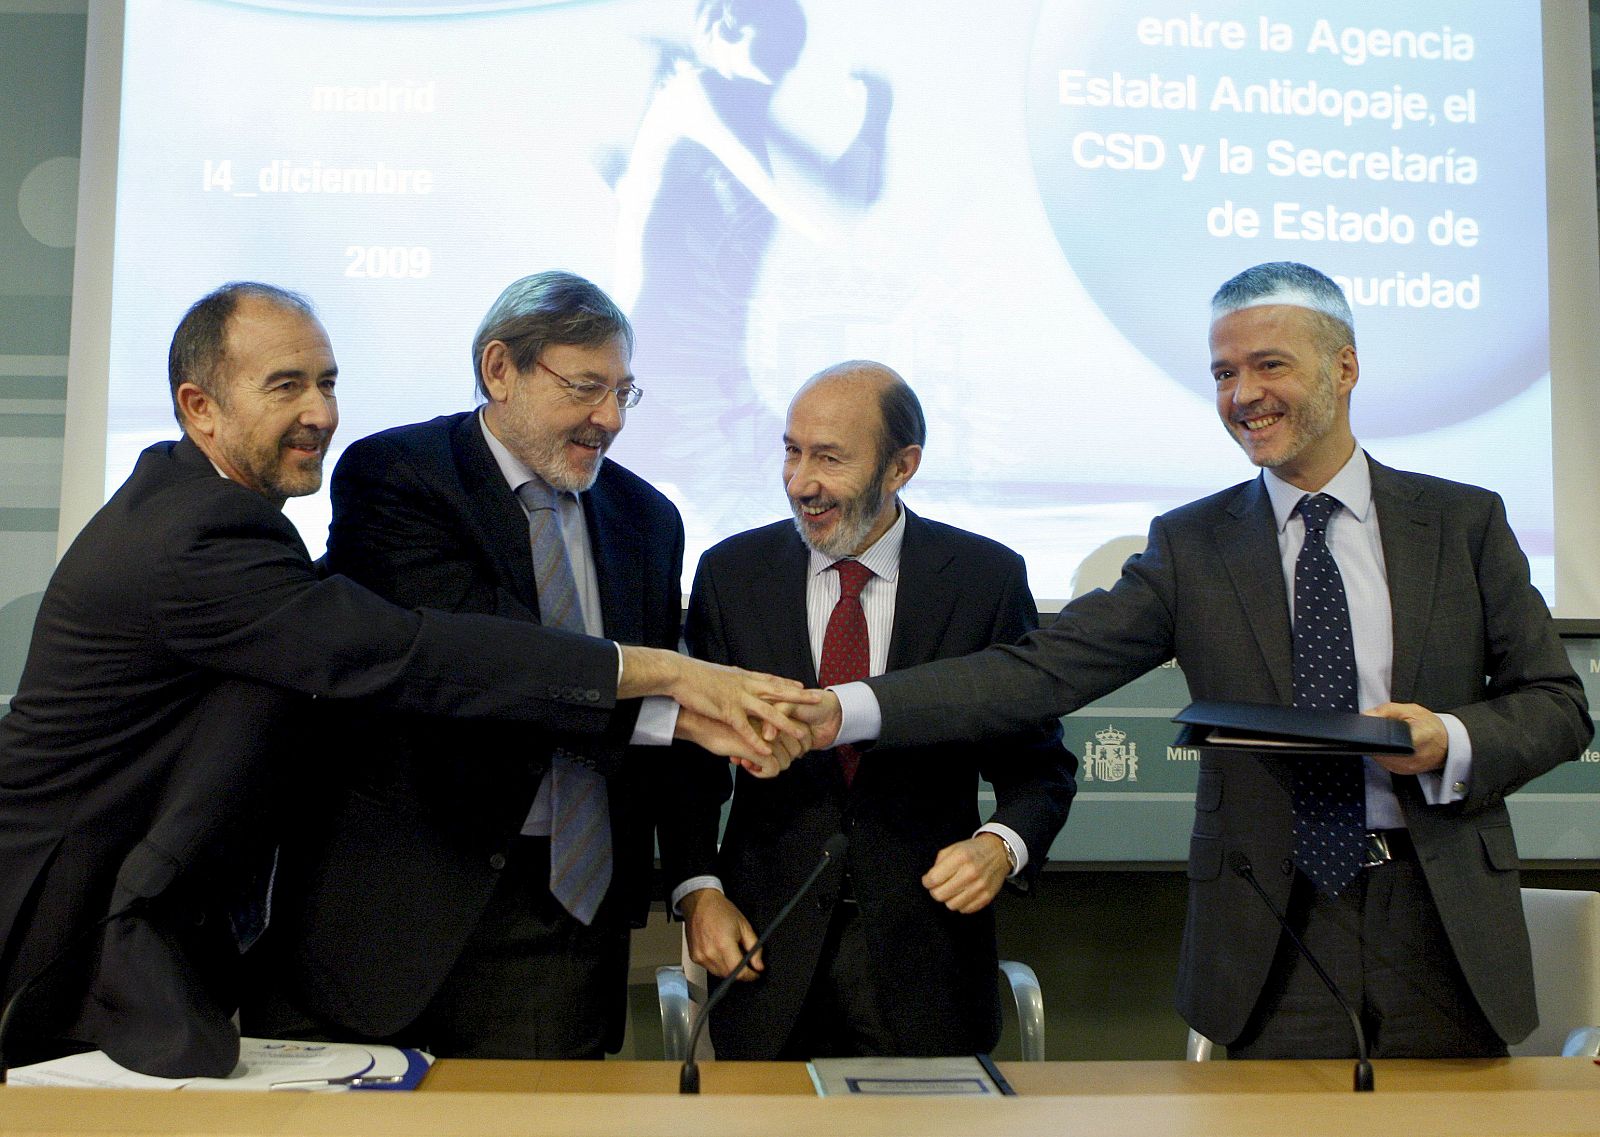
(495, 509)
(1247, 540)
(783, 608)
(1411, 533)
(924, 597)
(616, 544)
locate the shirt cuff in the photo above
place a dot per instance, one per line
(860, 719)
(693, 884)
(658, 718)
(1013, 840)
(1449, 784)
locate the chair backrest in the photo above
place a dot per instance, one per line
(1564, 928)
(681, 990)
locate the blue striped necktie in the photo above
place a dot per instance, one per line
(580, 820)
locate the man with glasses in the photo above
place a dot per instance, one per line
(473, 888)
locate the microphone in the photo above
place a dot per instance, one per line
(689, 1076)
(1363, 1071)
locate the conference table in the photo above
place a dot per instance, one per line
(1522, 1096)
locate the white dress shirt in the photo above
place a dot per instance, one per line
(877, 604)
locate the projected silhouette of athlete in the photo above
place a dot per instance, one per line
(699, 203)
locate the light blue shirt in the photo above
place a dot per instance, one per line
(1355, 540)
(658, 715)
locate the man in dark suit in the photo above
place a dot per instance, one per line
(428, 907)
(168, 643)
(896, 954)
(1415, 907)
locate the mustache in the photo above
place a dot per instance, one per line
(307, 438)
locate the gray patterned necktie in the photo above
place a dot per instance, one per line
(1329, 793)
(580, 820)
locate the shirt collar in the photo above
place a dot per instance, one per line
(882, 557)
(511, 467)
(1352, 485)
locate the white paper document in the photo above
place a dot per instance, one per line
(962, 1075)
(264, 1064)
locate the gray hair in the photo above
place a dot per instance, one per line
(548, 308)
(200, 345)
(1286, 282)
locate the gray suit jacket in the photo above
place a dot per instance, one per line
(1471, 637)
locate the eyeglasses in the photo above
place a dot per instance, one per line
(593, 394)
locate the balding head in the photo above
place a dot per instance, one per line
(853, 438)
(900, 419)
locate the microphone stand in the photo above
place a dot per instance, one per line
(1363, 1071)
(689, 1076)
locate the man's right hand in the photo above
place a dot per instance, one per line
(718, 935)
(824, 717)
(743, 701)
(719, 738)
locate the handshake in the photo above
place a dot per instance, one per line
(760, 722)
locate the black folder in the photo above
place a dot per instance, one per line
(1290, 731)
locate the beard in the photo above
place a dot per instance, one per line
(857, 515)
(1307, 423)
(548, 458)
(279, 472)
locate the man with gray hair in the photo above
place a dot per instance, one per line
(472, 890)
(174, 640)
(1328, 581)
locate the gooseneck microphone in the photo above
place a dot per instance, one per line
(1363, 1071)
(689, 1076)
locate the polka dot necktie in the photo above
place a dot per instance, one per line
(575, 795)
(846, 655)
(1329, 793)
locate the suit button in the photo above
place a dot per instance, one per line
(497, 861)
(1288, 866)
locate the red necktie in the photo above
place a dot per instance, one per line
(846, 655)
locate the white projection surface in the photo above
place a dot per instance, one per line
(1024, 207)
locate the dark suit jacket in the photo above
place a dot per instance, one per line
(1471, 637)
(958, 592)
(392, 884)
(181, 580)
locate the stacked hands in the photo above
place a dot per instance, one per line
(763, 723)
(758, 721)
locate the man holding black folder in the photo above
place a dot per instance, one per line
(1329, 582)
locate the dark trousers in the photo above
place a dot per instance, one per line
(840, 1017)
(1382, 942)
(532, 982)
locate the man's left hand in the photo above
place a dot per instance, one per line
(1429, 742)
(967, 876)
(719, 738)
